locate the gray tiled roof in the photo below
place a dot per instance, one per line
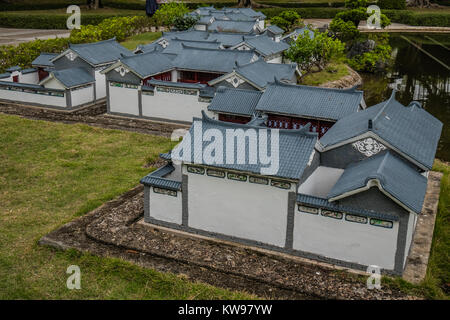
(335, 206)
(177, 84)
(235, 101)
(211, 60)
(226, 39)
(12, 69)
(295, 148)
(156, 178)
(73, 77)
(154, 46)
(207, 92)
(176, 46)
(44, 60)
(264, 45)
(275, 29)
(5, 75)
(101, 52)
(396, 176)
(232, 26)
(148, 64)
(300, 31)
(195, 35)
(29, 70)
(411, 130)
(306, 101)
(261, 72)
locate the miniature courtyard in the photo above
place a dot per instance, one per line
(91, 177)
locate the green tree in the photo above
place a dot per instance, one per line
(280, 22)
(184, 23)
(344, 31)
(354, 4)
(316, 51)
(166, 14)
(291, 16)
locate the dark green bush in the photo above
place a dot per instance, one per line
(419, 18)
(392, 4)
(318, 13)
(12, 5)
(49, 21)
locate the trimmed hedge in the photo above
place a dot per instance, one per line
(392, 4)
(38, 5)
(317, 13)
(419, 18)
(339, 4)
(26, 20)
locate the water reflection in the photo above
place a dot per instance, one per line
(418, 77)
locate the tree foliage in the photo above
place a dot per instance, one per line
(185, 22)
(344, 31)
(168, 12)
(287, 20)
(316, 51)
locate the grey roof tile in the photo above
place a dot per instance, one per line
(73, 77)
(43, 60)
(232, 26)
(156, 179)
(97, 53)
(12, 69)
(396, 176)
(275, 29)
(235, 101)
(148, 64)
(335, 206)
(295, 148)
(212, 60)
(264, 45)
(176, 46)
(262, 73)
(155, 82)
(5, 75)
(311, 102)
(412, 130)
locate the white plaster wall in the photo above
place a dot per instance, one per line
(124, 100)
(261, 24)
(320, 182)
(275, 59)
(53, 84)
(172, 106)
(31, 77)
(82, 96)
(9, 79)
(409, 235)
(241, 209)
(26, 97)
(345, 240)
(165, 207)
(200, 27)
(100, 83)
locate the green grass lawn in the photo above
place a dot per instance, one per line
(334, 70)
(142, 38)
(50, 173)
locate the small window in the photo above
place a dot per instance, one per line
(381, 223)
(332, 214)
(238, 177)
(196, 170)
(215, 173)
(280, 184)
(168, 192)
(354, 218)
(258, 180)
(308, 209)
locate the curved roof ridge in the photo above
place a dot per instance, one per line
(386, 104)
(293, 85)
(303, 131)
(113, 39)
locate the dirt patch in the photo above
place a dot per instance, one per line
(114, 230)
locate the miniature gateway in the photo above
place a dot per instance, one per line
(351, 198)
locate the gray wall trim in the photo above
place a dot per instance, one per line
(140, 102)
(184, 200)
(146, 203)
(108, 108)
(298, 253)
(132, 116)
(290, 220)
(68, 98)
(45, 106)
(399, 263)
(95, 92)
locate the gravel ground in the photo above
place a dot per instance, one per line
(114, 230)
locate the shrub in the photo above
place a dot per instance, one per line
(355, 4)
(290, 16)
(373, 60)
(166, 14)
(352, 15)
(184, 23)
(317, 51)
(280, 22)
(344, 31)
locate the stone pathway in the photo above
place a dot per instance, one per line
(10, 36)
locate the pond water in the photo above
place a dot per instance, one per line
(417, 76)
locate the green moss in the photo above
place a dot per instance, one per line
(334, 70)
(141, 39)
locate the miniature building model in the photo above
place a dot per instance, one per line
(351, 198)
